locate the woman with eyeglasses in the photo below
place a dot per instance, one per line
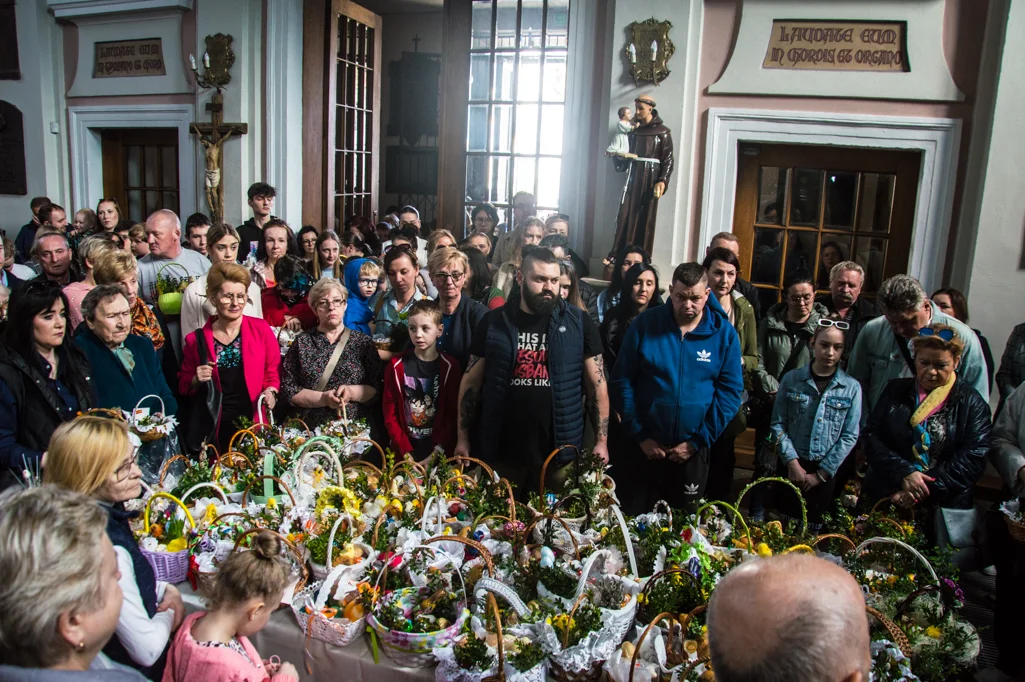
(723, 268)
(232, 361)
(928, 435)
(784, 337)
(331, 364)
(222, 247)
(460, 313)
(815, 423)
(96, 456)
(952, 302)
(307, 241)
(44, 378)
(122, 269)
(484, 218)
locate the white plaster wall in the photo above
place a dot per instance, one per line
(676, 98)
(39, 96)
(996, 279)
(243, 160)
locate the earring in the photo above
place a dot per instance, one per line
(81, 646)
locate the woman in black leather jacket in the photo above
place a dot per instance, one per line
(928, 436)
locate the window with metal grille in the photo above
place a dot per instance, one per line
(518, 53)
(355, 97)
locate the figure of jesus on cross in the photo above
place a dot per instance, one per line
(213, 135)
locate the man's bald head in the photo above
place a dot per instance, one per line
(790, 618)
(164, 234)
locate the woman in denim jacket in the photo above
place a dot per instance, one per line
(815, 422)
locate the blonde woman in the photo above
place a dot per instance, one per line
(89, 252)
(61, 617)
(328, 261)
(531, 235)
(96, 456)
(120, 268)
(440, 239)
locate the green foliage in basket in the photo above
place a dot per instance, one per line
(172, 284)
(607, 592)
(487, 499)
(195, 473)
(359, 482)
(435, 607)
(675, 593)
(584, 621)
(529, 656)
(522, 577)
(473, 654)
(557, 580)
(712, 568)
(317, 545)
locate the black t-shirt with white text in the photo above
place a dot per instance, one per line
(527, 428)
(421, 401)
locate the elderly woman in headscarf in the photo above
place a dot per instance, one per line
(361, 279)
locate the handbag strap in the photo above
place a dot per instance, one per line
(800, 344)
(333, 361)
(902, 346)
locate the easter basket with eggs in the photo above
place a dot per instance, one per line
(165, 542)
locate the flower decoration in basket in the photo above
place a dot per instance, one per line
(1014, 518)
(150, 426)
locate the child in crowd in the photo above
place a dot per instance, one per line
(214, 646)
(361, 279)
(421, 388)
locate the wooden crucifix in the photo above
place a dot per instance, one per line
(213, 135)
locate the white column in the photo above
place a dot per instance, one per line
(996, 277)
(283, 107)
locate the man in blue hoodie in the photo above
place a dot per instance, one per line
(676, 386)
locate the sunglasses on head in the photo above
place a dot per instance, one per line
(945, 334)
(839, 324)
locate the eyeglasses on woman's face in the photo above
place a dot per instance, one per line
(125, 470)
(230, 298)
(444, 277)
(331, 303)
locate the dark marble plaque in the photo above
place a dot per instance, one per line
(13, 178)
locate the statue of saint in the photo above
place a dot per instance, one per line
(214, 193)
(648, 164)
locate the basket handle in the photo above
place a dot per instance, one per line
(240, 433)
(491, 585)
(331, 537)
(436, 551)
(669, 511)
(349, 442)
(627, 540)
(245, 494)
(890, 540)
(168, 496)
(737, 518)
(259, 410)
(484, 553)
(167, 465)
(834, 536)
(587, 508)
(665, 615)
(169, 264)
(330, 581)
(323, 449)
(437, 501)
(669, 571)
(604, 554)
(896, 634)
(549, 458)
(910, 599)
(144, 398)
(779, 479)
(213, 486)
(466, 458)
(550, 518)
(104, 411)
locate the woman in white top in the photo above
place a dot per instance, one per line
(96, 456)
(222, 247)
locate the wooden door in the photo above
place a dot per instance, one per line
(140, 170)
(805, 208)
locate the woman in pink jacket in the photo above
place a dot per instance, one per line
(214, 646)
(235, 357)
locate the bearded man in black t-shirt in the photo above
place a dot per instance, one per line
(534, 364)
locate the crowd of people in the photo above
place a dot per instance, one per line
(492, 346)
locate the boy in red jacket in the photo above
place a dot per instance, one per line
(421, 388)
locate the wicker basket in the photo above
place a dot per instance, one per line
(1016, 529)
(152, 434)
(322, 571)
(170, 303)
(169, 567)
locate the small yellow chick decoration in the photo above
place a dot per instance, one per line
(177, 545)
(763, 550)
(210, 515)
(272, 503)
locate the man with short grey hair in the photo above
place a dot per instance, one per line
(164, 237)
(845, 302)
(728, 240)
(883, 352)
(811, 624)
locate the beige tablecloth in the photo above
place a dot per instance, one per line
(283, 638)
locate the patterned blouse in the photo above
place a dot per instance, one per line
(144, 323)
(307, 359)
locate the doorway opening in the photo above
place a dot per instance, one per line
(805, 208)
(140, 170)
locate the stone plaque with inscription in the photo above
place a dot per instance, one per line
(125, 58)
(13, 178)
(837, 46)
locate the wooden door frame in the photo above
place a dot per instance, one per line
(455, 97)
(937, 138)
(320, 83)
